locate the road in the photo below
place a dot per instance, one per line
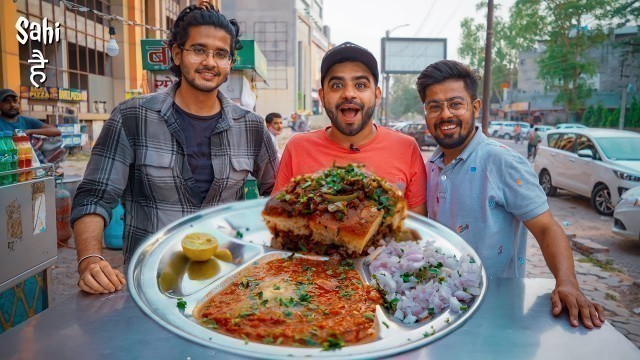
(577, 217)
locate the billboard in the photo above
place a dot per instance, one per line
(411, 55)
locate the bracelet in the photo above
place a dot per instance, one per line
(88, 256)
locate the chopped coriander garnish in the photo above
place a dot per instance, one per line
(464, 308)
(333, 344)
(287, 313)
(239, 234)
(310, 341)
(347, 293)
(385, 324)
(182, 304)
(406, 276)
(268, 340)
(369, 316)
(260, 295)
(276, 287)
(246, 339)
(303, 248)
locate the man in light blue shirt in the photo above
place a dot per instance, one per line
(489, 194)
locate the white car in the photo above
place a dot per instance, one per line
(626, 218)
(570, 126)
(542, 129)
(599, 163)
(505, 129)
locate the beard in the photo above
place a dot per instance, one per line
(452, 141)
(9, 114)
(191, 78)
(367, 115)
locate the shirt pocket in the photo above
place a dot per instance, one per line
(159, 178)
(240, 169)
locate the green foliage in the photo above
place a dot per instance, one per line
(588, 117)
(404, 99)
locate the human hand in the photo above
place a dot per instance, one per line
(98, 277)
(567, 293)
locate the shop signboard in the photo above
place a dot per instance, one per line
(155, 54)
(251, 58)
(52, 94)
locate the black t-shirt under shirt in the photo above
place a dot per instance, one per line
(197, 132)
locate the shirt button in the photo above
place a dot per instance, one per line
(443, 177)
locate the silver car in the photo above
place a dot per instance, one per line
(626, 218)
(599, 163)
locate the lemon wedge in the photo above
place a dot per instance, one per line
(199, 246)
(203, 270)
(224, 255)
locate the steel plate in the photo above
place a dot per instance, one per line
(159, 273)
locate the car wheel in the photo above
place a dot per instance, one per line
(507, 136)
(547, 186)
(601, 200)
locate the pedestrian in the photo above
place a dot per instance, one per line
(517, 131)
(11, 120)
(489, 194)
(350, 93)
(172, 153)
(532, 146)
(274, 125)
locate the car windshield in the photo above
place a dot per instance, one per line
(621, 148)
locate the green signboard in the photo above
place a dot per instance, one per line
(155, 54)
(251, 58)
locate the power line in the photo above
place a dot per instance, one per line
(424, 19)
(73, 6)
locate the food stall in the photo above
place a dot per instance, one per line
(510, 320)
(28, 249)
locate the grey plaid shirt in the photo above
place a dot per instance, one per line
(140, 157)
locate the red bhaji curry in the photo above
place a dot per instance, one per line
(295, 301)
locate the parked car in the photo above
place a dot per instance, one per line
(542, 129)
(570, 126)
(418, 131)
(599, 163)
(626, 217)
(505, 129)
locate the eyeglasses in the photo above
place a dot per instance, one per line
(199, 54)
(457, 107)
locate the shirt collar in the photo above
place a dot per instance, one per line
(478, 138)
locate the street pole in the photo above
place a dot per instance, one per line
(386, 86)
(623, 107)
(486, 85)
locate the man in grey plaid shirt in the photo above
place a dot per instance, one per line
(170, 154)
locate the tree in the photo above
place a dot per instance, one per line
(572, 28)
(510, 38)
(404, 98)
(587, 117)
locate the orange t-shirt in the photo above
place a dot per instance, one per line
(390, 155)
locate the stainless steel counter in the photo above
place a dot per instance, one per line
(513, 322)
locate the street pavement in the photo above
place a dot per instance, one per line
(604, 287)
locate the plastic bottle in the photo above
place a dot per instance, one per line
(114, 232)
(24, 156)
(5, 161)
(63, 213)
(14, 155)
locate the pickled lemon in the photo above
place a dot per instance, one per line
(199, 246)
(224, 255)
(203, 270)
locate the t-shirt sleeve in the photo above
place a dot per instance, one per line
(416, 193)
(518, 186)
(33, 123)
(285, 171)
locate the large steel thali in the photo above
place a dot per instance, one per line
(159, 274)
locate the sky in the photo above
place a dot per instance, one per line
(364, 22)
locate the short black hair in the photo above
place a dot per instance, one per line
(271, 116)
(204, 13)
(445, 70)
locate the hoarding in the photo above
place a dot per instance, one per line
(411, 55)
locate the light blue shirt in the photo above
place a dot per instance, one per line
(484, 195)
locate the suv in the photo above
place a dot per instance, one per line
(599, 163)
(570, 126)
(418, 131)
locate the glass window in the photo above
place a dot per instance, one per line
(620, 148)
(566, 142)
(585, 144)
(553, 140)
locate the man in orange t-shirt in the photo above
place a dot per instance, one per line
(350, 94)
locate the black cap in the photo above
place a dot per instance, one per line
(348, 51)
(7, 92)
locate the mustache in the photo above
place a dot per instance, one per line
(350, 102)
(208, 69)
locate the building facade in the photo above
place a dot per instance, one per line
(293, 38)
(79, 60)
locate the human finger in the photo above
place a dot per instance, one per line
(556, 304)
(84, 287)
(101, 278)
(111, 276)
(585, 314)
(92, 283)
(122, 278)
(574, 309)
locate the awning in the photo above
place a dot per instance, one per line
(251, 59)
